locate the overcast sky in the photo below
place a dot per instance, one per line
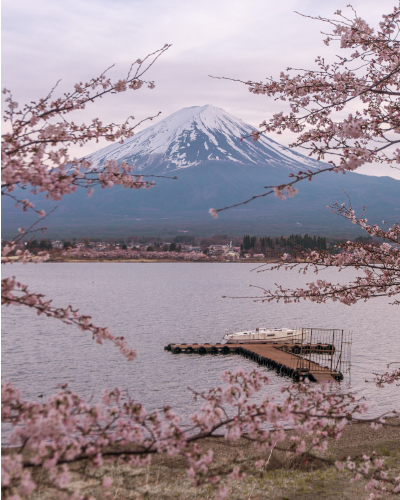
(46, 40)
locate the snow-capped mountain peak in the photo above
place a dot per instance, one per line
(198, 134)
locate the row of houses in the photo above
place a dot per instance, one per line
(228, 251)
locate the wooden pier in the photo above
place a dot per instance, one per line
(285, 359)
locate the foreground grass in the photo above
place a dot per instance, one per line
(285, 478)
(162, 482)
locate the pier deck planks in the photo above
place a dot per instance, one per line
(272, 352)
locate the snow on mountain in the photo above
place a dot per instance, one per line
(197, 134)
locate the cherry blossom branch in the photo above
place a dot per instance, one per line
(78, 431)
(35, 151)
(381, 379)
(15, 293)
(317, 99)
(280, 190)
(27, 161)
(378, 262)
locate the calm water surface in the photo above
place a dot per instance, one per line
(154, 304)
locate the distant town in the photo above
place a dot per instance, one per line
(219, 247)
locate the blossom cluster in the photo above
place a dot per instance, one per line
(368, 75)
(380, 484)
(389, 377)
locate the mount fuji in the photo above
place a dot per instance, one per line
(196, 135)
(202, 146)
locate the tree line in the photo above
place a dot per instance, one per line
(293, 241)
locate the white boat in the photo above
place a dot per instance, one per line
(266, 335)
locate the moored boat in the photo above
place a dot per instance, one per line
(266, 335)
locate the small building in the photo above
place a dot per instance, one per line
(232, 255)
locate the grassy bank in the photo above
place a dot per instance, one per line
(286, 477)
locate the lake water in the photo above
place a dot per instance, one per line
(157, 303)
